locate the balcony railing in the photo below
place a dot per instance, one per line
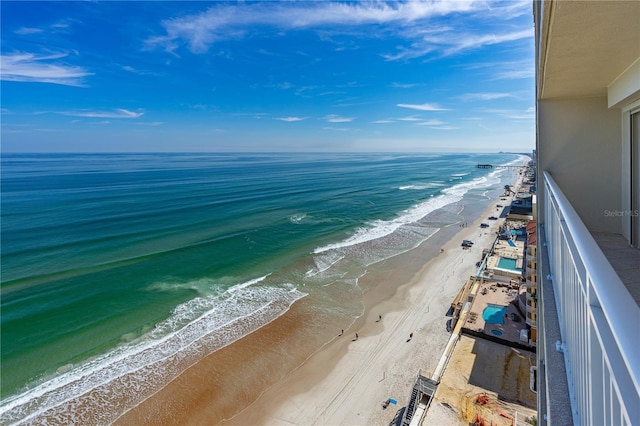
(598, 319)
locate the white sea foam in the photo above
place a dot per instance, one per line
(202, 325)
(428, 185)
(381, 228)
(139, 368)
(297, 218)
(521, 160)
(240, 286)
(323, 263)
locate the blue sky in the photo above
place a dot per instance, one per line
(267, 76)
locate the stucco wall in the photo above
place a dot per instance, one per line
(580, 145)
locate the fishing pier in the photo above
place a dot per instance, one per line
(491, 166)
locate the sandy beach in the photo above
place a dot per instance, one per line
(383, 362)
(346, 381)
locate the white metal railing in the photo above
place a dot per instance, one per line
(599, 320)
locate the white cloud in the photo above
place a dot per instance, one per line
(332, 118)
(511, 70)
(404, 53)
(431, 123)
(515, 74)
(485, 96)
(412, 20)
(199, 31)
(404, 86)
(473, 41)
(28, 31)
(423, 107)
(521, 116)
(152, 123)
(291, 119)
(450, 41)
(117, 113)
(528, 114)
(256, 115)
(133, 70)
(410, 118)
(28, 67)
(338, 129)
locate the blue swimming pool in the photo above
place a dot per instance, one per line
(508, 263)
(494, 314)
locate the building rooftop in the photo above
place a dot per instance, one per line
(494, 294)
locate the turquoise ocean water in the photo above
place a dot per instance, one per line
(115, 262)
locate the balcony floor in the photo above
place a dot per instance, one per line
(624, 259)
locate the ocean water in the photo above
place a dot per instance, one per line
(121, 270)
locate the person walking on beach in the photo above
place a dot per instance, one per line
(356, 336)
(379, 318)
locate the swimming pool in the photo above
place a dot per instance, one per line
(494, 314)
(508, 263)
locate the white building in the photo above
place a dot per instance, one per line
(588, 257)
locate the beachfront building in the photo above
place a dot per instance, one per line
(588, 257)
(506, 261)
(531, 304)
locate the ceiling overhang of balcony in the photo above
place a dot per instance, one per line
(586, 45)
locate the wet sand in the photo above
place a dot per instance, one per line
(251, 382)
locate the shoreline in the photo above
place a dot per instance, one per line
(338, 376)
(357, 376)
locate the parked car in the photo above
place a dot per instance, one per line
(493, 218)
(484, 225)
